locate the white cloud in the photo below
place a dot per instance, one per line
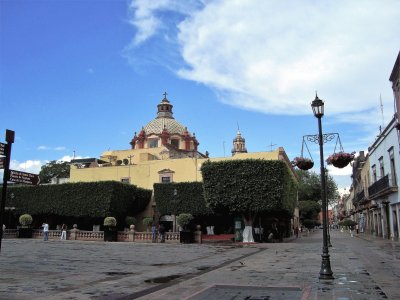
(346, 171)
(271, 56)
(68, 158)
(43, 148)
(34, 166)
(30, 166)
(145, 15)
(58, 148)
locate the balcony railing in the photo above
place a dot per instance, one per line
(382, 187)
(359, 198)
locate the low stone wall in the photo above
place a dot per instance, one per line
(84, 235)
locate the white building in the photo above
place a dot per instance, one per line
(376, 198)
(384, 161)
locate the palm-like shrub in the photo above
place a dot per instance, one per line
(110, 222)
(130, 220)
(25, 219)
(184, 219)
(147, 221)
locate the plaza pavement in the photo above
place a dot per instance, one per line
(364, 268)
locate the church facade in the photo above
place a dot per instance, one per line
(163, 151)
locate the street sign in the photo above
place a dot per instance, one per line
(2, 149)
(23, 177)
(2, 162)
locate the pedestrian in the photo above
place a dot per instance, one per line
(357, 228)
(296, 232)
(153, 233)
(63, 232)
(45, 231)
(270, 237)
(4, 231)
(161, 231)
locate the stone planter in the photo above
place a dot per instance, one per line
(110, 234)
(25, 232)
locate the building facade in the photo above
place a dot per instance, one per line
(164, 151)
(376, 199)
(383, 157)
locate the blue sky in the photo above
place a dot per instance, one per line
(83, 76)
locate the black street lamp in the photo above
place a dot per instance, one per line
(325, 272)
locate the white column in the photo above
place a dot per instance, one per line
(398, 220)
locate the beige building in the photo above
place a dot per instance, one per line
(163, 151)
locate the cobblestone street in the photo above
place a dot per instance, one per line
(363, 269)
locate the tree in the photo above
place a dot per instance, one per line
(310, 194)
(248, 187)
(309, 210)
(54, 169)
(310, 186)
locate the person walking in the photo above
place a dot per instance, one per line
(161, 231)
(153, 233)
(45, 231)
(4, 231)
(63, 232)
(296, 232)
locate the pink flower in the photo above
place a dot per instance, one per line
(340, 156)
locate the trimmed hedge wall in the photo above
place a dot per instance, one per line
(250, 185)
(82, 199)
(188, 199)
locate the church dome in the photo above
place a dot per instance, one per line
(164, 120)
(156, 126)
(164, 130)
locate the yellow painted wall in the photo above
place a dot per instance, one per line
(144, 173)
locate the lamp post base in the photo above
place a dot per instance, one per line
(326, 272)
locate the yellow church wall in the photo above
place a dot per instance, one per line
(144, 173)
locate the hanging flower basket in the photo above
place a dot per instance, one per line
(340, 159)
(303, 163)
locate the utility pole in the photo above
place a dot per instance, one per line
(7, 152)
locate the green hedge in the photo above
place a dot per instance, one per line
(83, 199)
(251, 185)
(187, 199)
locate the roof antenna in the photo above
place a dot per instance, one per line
(271, 145)
(383, 118)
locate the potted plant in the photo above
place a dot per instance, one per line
(25, 230)
(340, 159)
(130, 222)
(303, 163)
(185, 235)
(110, 229)
(147, 222)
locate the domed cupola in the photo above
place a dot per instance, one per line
(164, 120)
(164, 130)
(239, 144)
(164, 108)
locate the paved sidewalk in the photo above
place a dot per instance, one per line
(363, 269)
